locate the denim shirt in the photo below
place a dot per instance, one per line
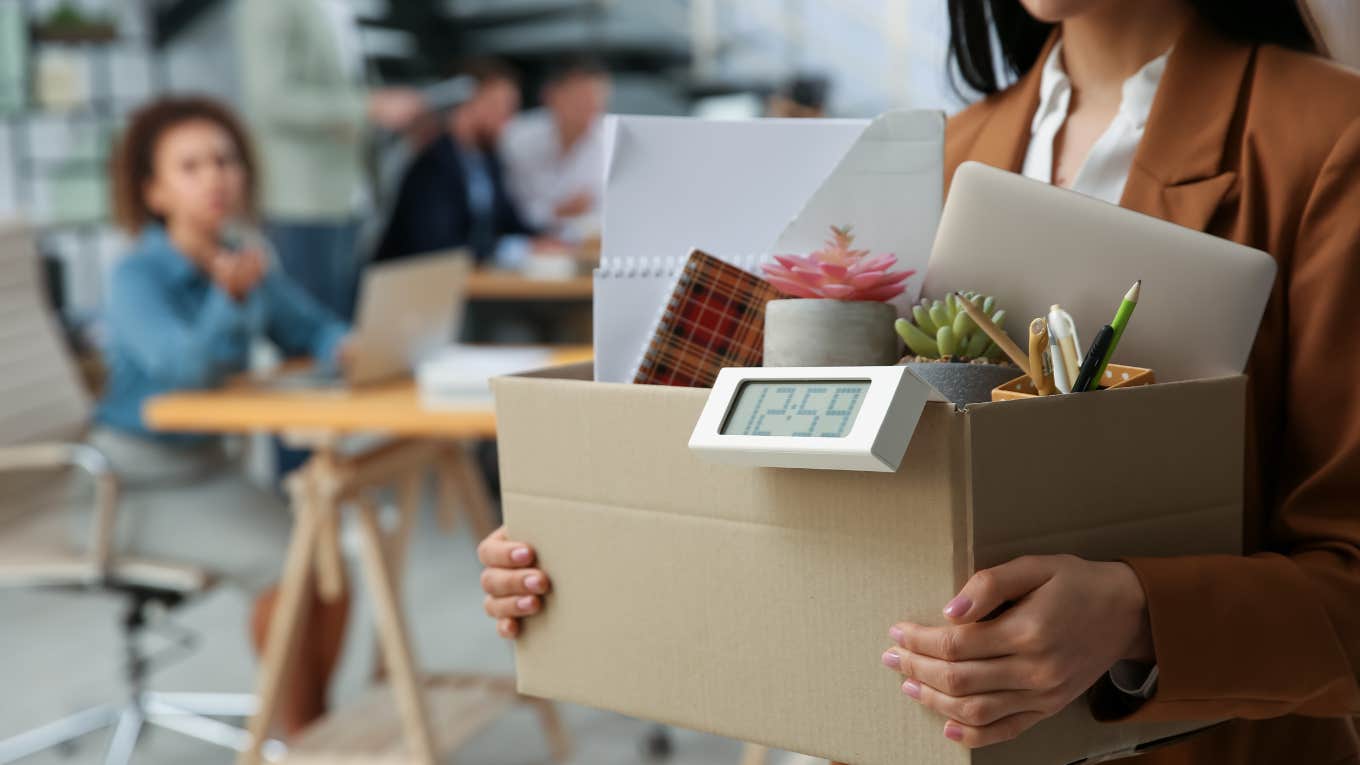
(171, 328)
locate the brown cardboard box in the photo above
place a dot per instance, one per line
(754, 602)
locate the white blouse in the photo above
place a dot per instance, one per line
(1106, 168)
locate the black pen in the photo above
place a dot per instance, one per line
(1090, 366)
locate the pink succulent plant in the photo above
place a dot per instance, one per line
(838, 272)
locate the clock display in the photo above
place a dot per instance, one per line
(807, 409)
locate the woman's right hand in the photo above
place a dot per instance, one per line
(514, 588)
(238, 273)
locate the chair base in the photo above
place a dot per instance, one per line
(189, 714)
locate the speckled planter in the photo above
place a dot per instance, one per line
(963, 383)
(829, 333)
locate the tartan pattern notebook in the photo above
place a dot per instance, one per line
(715, 318)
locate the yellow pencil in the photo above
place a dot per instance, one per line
(997, 334)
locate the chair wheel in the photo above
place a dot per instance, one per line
(657, 746)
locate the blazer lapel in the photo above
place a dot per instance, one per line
(1178, 172)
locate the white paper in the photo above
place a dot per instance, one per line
(889, 187)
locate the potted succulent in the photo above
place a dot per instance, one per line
(838, 314)
(949, 351)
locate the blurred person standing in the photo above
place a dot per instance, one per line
(453, 194)
(555, 155)
(310, 108)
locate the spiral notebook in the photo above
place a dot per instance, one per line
(714, 318)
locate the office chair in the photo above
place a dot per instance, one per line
(44, 412)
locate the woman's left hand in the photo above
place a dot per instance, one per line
(1072, 620)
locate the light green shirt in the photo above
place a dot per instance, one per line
(305, 107)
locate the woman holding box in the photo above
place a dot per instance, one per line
(1211, 114)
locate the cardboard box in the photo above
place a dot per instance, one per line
(754, 603)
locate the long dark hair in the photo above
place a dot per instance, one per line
(1021, 36)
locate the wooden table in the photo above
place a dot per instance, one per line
(418, 438)
(487, 284)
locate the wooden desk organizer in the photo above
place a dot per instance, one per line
(1116, 376)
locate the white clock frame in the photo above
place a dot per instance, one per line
(876, 442)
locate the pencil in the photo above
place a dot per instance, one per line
(1121, 320)
(1038, 357)
(997, 334)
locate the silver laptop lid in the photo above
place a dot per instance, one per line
(1032, 245)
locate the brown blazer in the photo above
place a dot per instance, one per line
(1259, 145)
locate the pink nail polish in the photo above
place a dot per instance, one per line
(534, 583)
(524, 604)
(912, 689)
(953, 732)
(891, 659)
(521, 555)
(958, 607)
(897, 634)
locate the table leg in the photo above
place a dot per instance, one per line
(324, 497)
(287, 616)
(477, 502)
(397, 541)
(394, 638)
(559, 741)
(408, 505)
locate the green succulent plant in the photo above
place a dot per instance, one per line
(941, 330)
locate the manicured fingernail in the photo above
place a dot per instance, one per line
(912, 689)
(521, 555)
(958, 607)
(953, 732)
(524, 604)
(897, 634)
(534, 582)
(891, 659)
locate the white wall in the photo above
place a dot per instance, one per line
(880, 54)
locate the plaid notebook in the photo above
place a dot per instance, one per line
(715, 318)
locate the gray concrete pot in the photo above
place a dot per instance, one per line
(829, 333)
(963, 383)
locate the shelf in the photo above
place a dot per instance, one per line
(487, 16)
(368, 730)
(92, 35)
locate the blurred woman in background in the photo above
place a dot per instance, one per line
(184, 308)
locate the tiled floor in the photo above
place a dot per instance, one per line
(59, 652)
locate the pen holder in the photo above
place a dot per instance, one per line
(1116, 376)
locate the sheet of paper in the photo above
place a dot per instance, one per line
(889, 186)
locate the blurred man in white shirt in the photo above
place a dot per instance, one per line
(555, 155)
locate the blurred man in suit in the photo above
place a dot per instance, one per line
(453, 194)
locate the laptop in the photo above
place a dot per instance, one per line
(408, 310)
(1032, 245)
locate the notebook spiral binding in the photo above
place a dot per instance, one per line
(650, 267)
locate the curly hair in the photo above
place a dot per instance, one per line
(133, 162)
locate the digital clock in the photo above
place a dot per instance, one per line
(830, 418)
